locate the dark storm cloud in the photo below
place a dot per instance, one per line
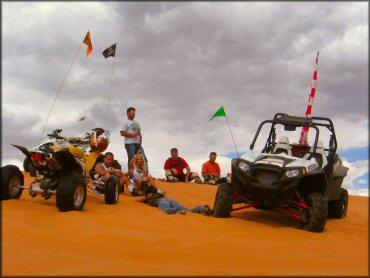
(177, 63)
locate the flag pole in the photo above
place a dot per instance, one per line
(303, 140)
(60, 89)
(110, 89)
(232, 136)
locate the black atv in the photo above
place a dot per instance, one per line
(301, 180)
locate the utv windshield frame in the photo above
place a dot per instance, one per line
(293, 121)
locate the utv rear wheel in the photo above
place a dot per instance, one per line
(112, 190)
(315, 219)
(338, 208)
(11, 178)
(223, 204)
(71, 193)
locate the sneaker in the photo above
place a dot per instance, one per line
(171, 178)
(182, 211)
(207, 211)
(212, 181)
(198, 180)
(135, 193)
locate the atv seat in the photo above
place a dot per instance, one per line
(283, 146)
(320, 155)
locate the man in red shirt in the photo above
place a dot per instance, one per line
(174, 169)
(211, 171)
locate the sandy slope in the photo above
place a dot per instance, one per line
(132, 238)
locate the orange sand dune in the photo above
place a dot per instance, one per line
(132, 238)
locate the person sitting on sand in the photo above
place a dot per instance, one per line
(105, 169)
(174, 169)
(156, 199)
(211, 171)
(139, 173)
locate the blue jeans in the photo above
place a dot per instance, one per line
(171, 206)
(131, 150)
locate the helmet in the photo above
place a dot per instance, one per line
(99, 139)
(102, 144)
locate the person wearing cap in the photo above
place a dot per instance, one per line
(131, 130)
(211, 170)
(174, 169)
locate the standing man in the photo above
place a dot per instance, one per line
(174, 169)
(132, 132)
(211, 171)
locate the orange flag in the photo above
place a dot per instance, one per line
(87, 41)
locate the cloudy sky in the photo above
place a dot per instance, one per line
(177, 63)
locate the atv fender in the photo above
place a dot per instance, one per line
(315, 182)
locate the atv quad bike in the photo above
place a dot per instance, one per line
(301, 180)
(62, 166)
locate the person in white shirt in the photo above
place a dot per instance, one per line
(139, 173)
(131, 130)
(105, 169)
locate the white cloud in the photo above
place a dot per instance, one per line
(356, 170)
(177, 63)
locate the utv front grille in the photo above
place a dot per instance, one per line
(265, 176)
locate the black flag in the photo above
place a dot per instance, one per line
(110, 51)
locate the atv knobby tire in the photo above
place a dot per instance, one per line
(33, 171)
(11, 178)
(338, 208)
(71, 193)
(111, 192)
(28, 167)
(316, 218)
(26, 164)
(223, 204)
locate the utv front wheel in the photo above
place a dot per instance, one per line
(315, 219)
(112, 190)
(338, 208)
(11, 179)
(223, 204)
(71, 193)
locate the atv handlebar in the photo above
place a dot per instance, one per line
(85, 139)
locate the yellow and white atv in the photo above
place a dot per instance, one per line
(62, 166)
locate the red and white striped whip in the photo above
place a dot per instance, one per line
(304, 134)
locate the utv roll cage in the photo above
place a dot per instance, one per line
(290, 123)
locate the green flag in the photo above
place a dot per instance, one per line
(220, 113)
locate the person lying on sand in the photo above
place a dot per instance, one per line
(171, 206)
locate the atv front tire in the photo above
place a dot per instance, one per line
(316, 218)
(26, 164)
(338, 208)
(223, 204)
(71, 193)
(11, 178)
(112, 190)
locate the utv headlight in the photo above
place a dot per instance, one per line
(292, 173)
(244, 166)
